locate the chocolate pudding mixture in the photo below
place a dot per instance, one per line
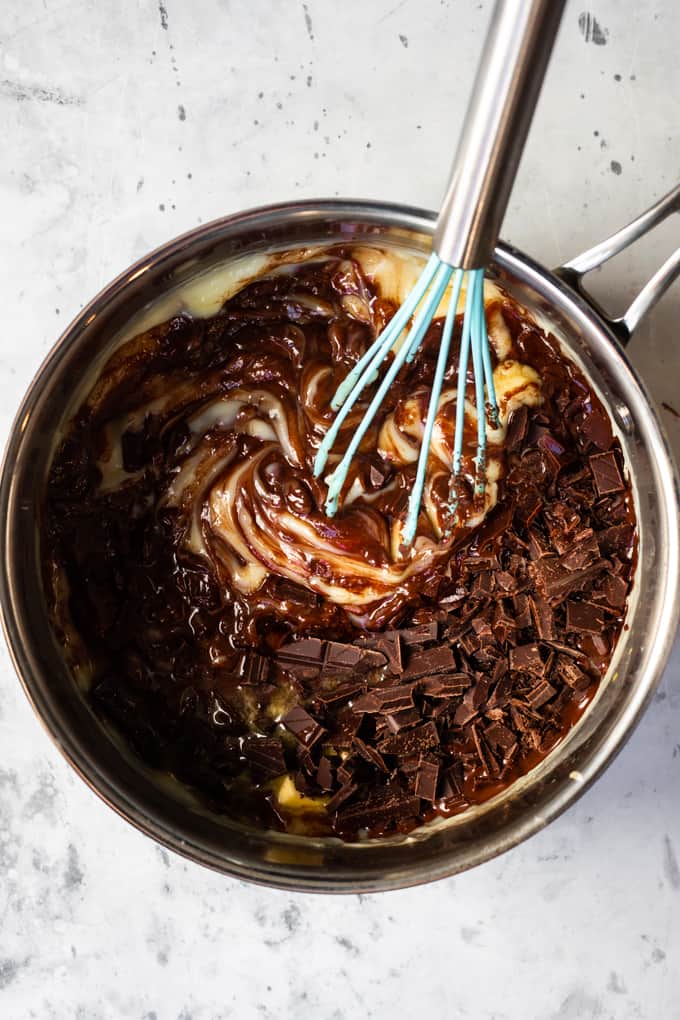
(313, 674)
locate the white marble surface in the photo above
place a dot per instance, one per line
(126, 123)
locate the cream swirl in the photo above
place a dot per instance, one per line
(242, 481)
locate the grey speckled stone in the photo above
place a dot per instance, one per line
(125, 124)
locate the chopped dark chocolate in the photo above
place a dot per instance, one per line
(426, 781)
(541, 693)
(433, 660)
(606, 473)
(419, 635)
(543, 617)
(379, 809)
(389, 644)
(584, 617)
(301, 724)
(384, 699)
(446, 685)
(342, 795)
(265, 757)
(410, 741)
(324, 774)
(370, 754)
(527, 659)
(396, 721)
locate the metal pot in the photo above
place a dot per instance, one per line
(163, 809)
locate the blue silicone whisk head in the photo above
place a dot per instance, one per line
(420, 306)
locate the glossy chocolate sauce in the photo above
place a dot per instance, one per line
(313, 674)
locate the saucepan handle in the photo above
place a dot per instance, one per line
(574, 271)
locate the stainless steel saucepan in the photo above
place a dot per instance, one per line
(166, 811)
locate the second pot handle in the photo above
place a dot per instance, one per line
(573, 272)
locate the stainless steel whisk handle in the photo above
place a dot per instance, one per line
(508, 81)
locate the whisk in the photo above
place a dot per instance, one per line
(508, 81)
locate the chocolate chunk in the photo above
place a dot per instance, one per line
(463, 714)
(376, 477)
(303, 727)
(606, 474)
(522, 611)
(324, 773)
(477, 695)
(618, 539)
(499, 736)
(264, 756)
(543, 617)
(584, 617)
(446, 685)
(370, 754)
(389, 644)
(505, 582)
(541, 693)
(339, 798)
(386, 699)
(538, 547)
(410, 741)
(310, 656)
(342, 691)
(252, 668)
(450, 794)
(554, 581)
(486, 758)
(304, 658)
(595, 429)
(347, 723)
(430, 661)
(615, 590)
(421, 634)
(584, 551)
(380, 808)
(345, 772)
(426, 781)
(568, 671)
(527, 659)
(339, 656)
(518, 425)
(397, 721)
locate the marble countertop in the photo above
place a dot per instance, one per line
(127, 123)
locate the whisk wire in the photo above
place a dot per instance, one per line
(441, 277)
(416, 495)
(478, 372)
